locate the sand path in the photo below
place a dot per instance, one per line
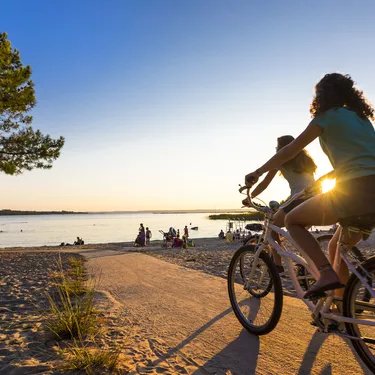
(183, 324)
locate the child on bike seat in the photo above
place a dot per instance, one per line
(299, 172)
(341, 119)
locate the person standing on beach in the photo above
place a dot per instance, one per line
(148, 236)
(142, 235)
(186, 232)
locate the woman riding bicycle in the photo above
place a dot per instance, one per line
(299, 172)
(341, 121)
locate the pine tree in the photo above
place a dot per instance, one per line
(21, 148)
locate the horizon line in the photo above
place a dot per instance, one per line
(128, 211)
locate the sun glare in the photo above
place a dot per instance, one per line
(328, 185)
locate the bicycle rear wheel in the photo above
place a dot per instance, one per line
(357, 303)
(259, 315)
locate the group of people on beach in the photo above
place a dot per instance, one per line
(78, 242)
(173, 236)
(234, 236)
(174, 239)
(341, 120)
(143, 237)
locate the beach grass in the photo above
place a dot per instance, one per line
(71, 302)
(71, 317)
(73, 321)
(92, 359)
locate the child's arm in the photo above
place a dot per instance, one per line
(264, 184)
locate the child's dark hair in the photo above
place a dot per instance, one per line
(302, 162)
(336, 90)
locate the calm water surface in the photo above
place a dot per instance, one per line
(99, 228)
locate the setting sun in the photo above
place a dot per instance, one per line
(328, 185)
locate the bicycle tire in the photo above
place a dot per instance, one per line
(351, 310)
(276, 283)
(252, 240)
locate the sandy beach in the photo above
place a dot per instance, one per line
(24, 279)
(25, 274)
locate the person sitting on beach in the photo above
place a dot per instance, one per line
(79, 241)
(299, 173)
(221, 235)
(177, 242)
(138, 240)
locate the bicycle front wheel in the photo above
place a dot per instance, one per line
(259, 315)
(256, 293)
(359, 304)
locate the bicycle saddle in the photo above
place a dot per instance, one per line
(363, 223)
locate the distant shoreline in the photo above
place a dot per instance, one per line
(7, 212)
(16, 212)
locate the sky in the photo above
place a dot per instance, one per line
(167, 104)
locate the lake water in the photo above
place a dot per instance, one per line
(26, 230)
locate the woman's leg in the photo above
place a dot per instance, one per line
(332, 246)
(315, 211)
(278, 221)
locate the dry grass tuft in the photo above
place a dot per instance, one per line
(91, 359)
(71, 303)
(72, 316)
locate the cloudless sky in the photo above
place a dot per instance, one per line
(167, 104)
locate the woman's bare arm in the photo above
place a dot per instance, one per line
(264, 184)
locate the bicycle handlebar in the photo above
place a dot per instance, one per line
(266, 209)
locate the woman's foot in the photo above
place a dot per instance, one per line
(328, 281)
(280, 269)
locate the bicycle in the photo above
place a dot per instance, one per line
(303, 277)
(253, 273)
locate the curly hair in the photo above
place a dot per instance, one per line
(302, 162)
(337, 90)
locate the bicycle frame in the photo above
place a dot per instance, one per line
(321, 307)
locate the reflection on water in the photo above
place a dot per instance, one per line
(98, 228)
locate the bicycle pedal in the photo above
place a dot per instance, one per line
(340, 332)
(334, 327)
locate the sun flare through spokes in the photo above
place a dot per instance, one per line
(328, 185)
